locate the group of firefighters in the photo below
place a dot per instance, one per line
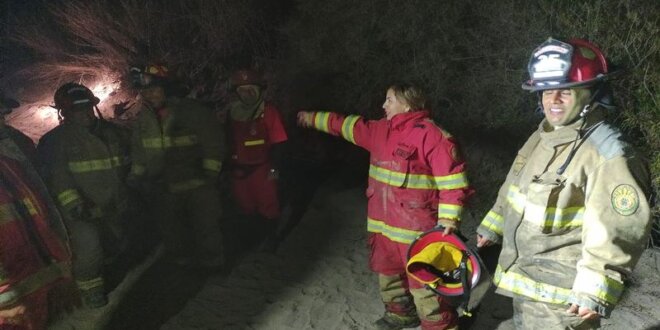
(572, 215)
(91, 172)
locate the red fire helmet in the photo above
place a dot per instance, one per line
(556, 65)
(443, 263)
(246, 77)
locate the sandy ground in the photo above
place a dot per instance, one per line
(318, 279)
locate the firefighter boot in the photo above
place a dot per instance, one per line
(272, 239)
(391, 321)
(94, 297)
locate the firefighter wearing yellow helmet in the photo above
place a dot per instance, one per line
(177, 151)
(573, 214)
(85, 162)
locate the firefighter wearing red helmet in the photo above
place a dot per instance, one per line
(257, 133)
(573, 214)
(417, 181)
(177, 151)
(85, 161)
(34, 257)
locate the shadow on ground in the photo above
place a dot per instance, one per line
(164, 289)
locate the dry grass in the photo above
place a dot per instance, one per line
(199, 39)
(470, 55)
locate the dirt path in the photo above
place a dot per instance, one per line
(317, 280)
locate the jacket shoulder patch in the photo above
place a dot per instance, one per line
(625, 199)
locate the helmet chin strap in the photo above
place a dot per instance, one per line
(582, 134)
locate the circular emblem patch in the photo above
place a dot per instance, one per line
(625, 200)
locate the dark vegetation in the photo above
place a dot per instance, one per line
(469, 55)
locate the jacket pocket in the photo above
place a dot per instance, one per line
(542, 209)
(415, 209)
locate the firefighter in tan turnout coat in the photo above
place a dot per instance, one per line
(85, 162)
(573, 214)
(177, 151)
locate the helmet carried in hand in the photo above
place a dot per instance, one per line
(443, 262)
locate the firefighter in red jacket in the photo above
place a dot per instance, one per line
(33, 253)
(416, 181)
(256, 129)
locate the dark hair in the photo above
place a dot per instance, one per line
(409, 94)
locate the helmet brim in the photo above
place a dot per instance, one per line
(529, 86)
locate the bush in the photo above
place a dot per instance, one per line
(200, 40)
(471, 56)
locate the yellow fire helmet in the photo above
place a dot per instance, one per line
(447, 266)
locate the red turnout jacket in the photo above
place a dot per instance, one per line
(33, 250)
(416, 175)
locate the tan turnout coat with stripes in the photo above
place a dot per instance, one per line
(571, 237)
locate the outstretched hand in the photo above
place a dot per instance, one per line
(483, 242)
(583, 312)
(16, 315)
(120, 108)
(448, 224)
(305, 118)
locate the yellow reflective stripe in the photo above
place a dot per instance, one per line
(347, 128)
(552, 217)
(399, 235)
(453, 181)
(138, 169)
(417, 181)
(254, 143)
(212, 164)
(95, 165)
(90, 284)
(516, 199)
(493, 222)
(67, 197)
(28, 204)
(186, 185)
(527, 287)
(34, 282)
(392, 178)
(152, 143)
(168, 142)
(598, 285)
(322, 121)
(449, 211)
(95, 212)
(180, 141)
(542, 215)
(8, 211)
